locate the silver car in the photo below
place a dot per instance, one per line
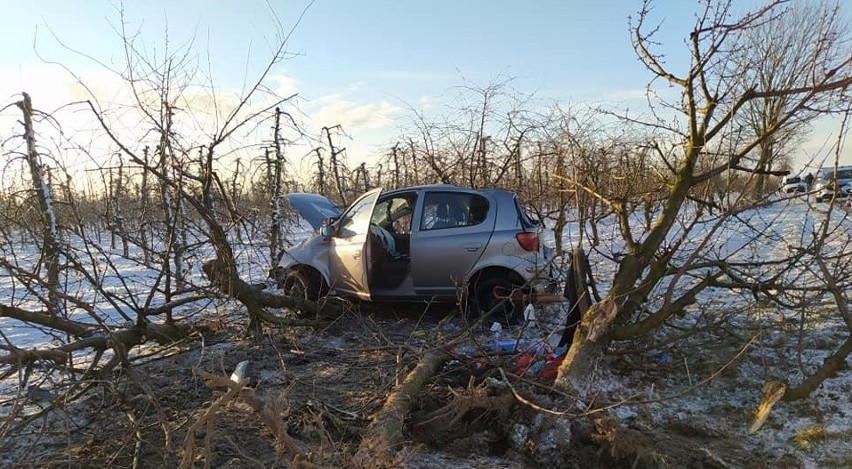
(434, 243)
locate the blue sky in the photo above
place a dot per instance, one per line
(364, 61)
(398, 49)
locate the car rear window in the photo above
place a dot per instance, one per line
(452, 210)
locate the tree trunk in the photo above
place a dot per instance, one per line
(593, 335)
(50, 243)
(145, 223)
(578, 368)
(275, 171)
(385, 432)
(169, 212)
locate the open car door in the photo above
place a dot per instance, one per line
(347, 256)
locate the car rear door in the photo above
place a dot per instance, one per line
(347, 256)
(452, 230)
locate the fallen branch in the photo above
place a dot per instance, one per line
(206, 418)
(385, 432)
(272, 413)
(772, 391)
(474, 397)
(256, 300)
(119, 340)
(22, 356)
(45, 319)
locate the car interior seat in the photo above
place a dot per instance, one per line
(442, 216)
(457, 215)
(386, 270)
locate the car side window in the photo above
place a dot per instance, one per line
(443, 210)
(394, 214)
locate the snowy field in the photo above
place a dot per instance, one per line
(713, 380)
(709, 380)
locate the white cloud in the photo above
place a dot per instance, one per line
(284, 85)
(356, 86)
(426, 101)
(48, 85)
(200, 111)
(353, 116)
(82, 145)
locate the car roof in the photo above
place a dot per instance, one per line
(448, 188)
(830, 169)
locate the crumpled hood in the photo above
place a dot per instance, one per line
(313, 208)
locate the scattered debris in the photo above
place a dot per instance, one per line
(772, 391)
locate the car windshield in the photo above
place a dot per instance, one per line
(844, 174)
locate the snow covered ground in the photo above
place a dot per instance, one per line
(707, 381)
(712, 380)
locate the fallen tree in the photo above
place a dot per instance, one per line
(384, 434)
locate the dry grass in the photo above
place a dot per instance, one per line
(809, 437)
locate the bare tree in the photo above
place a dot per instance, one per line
(51, 248)
(336, 163)
(97, 309)
(275, 179)
(781, 53)
(711, 98)
(115, 212)
(480, 143)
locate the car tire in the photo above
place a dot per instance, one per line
(302, 285)
(486, 301)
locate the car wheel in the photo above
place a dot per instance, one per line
(491, 297)
(301, 285)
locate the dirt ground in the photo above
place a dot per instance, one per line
(322, 387)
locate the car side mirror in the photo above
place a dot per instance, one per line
(327, 228)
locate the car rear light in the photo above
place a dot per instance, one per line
(527, 240)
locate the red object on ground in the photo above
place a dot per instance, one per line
(524, 362)
(547, 368)
(551, 367)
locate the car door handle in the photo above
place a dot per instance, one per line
(473, 247)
